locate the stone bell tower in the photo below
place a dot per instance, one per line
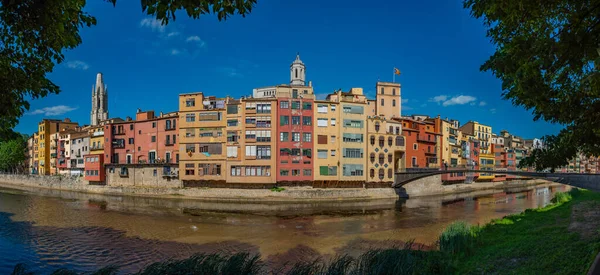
(99, 101)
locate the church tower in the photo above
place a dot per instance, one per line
(297, 72)
(99, 101)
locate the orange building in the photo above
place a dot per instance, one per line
(422, 142)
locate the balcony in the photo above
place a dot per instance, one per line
(169, 143)
(170, 128)
(97, 148)
(430, 153)
(422, 139)
(117, 133)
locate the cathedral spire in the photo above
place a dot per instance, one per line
(99, 101)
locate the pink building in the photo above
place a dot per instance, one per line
(295, 140)
(148, 139)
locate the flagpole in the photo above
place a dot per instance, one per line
(394, 75)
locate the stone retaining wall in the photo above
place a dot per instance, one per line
(423, 187)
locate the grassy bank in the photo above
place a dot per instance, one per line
(562, 238)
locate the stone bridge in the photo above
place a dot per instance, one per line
(586, 181)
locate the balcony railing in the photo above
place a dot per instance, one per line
(169, 143)
(422, 139)
(169, 128)
(97, 148)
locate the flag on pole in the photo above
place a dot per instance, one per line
(396, 71)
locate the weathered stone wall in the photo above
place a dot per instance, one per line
(141, 177)
(433, 186)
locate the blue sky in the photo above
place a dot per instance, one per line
(344, 44)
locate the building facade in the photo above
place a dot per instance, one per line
(422, 142)
(80, 147)
(46, 129)
(386, 149)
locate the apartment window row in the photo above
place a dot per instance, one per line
(352, 152)
(322, 153)
(295, 152)
(285, 136)
(295, 172)
(209, 169)
(91, 172)
(208, 148)
(323, 122)
(350, 137)
(250, 171)
(322, 108)
(91, 159)
(390, 158)
(258, 151)
(328, 170)
(354, 109)
(260, 136)
(348, 123)
(285, 120)
(352, 170)
(295, 105)
(322, 139)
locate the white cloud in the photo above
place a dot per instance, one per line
(78, 65)
(482, 103)
(172, 34)
(438, 98)
(459, 100)
(175, 52)
(229, 71)
(52, 111)
(195, 38)
(493, 110)
(155, 25)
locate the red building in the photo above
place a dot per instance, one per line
(295, 139)
(422, 142)
(94, 168)
(148, 139)
(62, 159)
(500, 161)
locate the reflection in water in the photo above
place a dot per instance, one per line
(50, 229)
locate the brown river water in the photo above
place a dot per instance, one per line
(49, 229)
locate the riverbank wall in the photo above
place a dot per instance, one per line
(423, 187)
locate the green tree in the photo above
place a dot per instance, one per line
(34, 34)
(547, 57)
(12, 154)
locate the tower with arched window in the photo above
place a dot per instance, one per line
(297, 72)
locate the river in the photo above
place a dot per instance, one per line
(49, 229)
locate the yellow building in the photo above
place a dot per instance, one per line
(353, 121)
(388, 99)
(486, 162)
(326, 144)
(385, 147)
(96, 140)
(54, 153)
(35, 154)
(481, 132)
(202, 135)
(46, 129)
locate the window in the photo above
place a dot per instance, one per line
(233, 137)
(415, 146)
(306, 106)
(249, 135)
(354, 109)
(190, 132)
(394, 102)
(263, 152)
(250, 150)
(390, 141)
(376, 126)
(382, 102)
(390, 158)
(349, 137)
(333, 153)
(333, 122)
(322, 108)
(372, 139)
(352, 170)
(295, 120)
(232, 122)
(306, 172)
(236, 171)
(306, 137)
(263, 122)
(232, 109)
(154, 124)
(295, 137)
(295, 105)
(131, 141)
(190, 148)
(232, 151)
(381, 173)
(321, 139)
(284, 136)
(295, 152)
(190, 117)
(333, 110)
(263, 136)
(307, 152)
(321, 154)
(328, 170)
(414, 162)
(381, 158)
(295, 172)
(393, 91)
(263, 108)
(381, 141)
(381, 90)
(372, 172)
(284, 172)
(284, 105)
(307, 120)
(353, 123)
(250, 120)
(372, 157)
(190, 102)
(130, 126)
(322, 122)
(353, 153)
(154, 172)
(153, 139)
(284, 120)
